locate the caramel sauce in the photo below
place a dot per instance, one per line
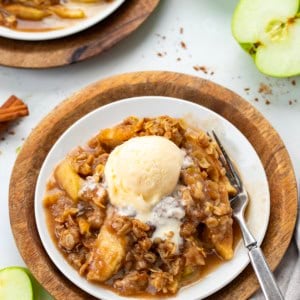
(212, 261)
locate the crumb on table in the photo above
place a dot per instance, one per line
(265, 89)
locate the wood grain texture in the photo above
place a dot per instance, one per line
(88, 43)
(245, 117)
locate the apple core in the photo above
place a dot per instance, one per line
(277, 30)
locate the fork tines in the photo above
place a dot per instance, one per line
(231, 171)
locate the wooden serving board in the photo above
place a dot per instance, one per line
(85, 44)
(245, 117)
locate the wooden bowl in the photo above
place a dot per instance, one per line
(245, 117)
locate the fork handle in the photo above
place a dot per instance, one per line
(264, 274)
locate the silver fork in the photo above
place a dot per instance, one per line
(239, 204)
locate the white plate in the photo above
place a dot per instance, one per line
(95, 13)
(239, 148)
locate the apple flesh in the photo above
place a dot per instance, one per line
(269, 30)
(15, 284)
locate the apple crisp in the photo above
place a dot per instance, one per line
(116, 248)
(47, 15)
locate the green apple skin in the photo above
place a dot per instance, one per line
(39, 293)
(15, 284)
(269, 30)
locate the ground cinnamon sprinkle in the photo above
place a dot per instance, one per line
(265, 89)
(290, 102)
(256, 99)
(161, 54)
(163, 37)
(203, 69)
(178, 59)
(181, 30)
(200, 68)
(246, 89)
(268, 102)
(293, 82)
(183, 45)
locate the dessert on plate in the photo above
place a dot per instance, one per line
(46, 15)
(143, 207)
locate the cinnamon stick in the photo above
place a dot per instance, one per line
(3, 126)
(12, 109)
(11, 100)
(13, 112)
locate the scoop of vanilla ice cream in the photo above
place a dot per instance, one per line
(142, 171)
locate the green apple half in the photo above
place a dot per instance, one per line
(15, 284)
(269, 30)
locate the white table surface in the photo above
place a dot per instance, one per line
(207, 34)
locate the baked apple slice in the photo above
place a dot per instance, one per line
(107, 255)
(68, 179)
(269, 30)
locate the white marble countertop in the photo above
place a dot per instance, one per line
(207, 35)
